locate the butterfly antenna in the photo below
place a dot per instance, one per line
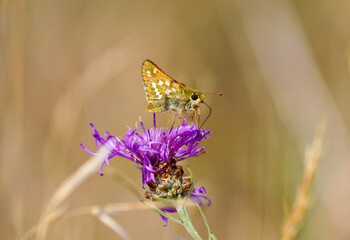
(214, 93)
(207, 116)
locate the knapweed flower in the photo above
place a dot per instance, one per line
(155, 152)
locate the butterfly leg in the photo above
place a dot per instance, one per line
(182, 111)
(193, 117)
(196, 116)
(167, 124)
(178, 116)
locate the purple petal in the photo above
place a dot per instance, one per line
(197, 199)
(169, 210)
(146, 147)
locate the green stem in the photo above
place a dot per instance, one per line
(161, 212)
(185, 217)
(210, 234)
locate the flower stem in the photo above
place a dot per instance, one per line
(161, 212)
(185, 217)
(210, 234)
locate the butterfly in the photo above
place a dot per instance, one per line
(165, 93)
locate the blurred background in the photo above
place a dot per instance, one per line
(281, 65)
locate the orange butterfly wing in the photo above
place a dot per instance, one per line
(151, 70)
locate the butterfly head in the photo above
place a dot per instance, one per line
(196, 97)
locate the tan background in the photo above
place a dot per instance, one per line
(282, 66)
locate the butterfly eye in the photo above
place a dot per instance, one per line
(194, 96)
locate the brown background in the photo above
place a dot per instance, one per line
(282, 66)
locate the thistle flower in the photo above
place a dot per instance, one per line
(155, 152)
(152, 147)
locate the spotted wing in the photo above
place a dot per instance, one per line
(150, 70)
(162, 92)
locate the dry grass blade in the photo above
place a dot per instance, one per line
(96, 210)
(71, 183)
(76, 179)
(112, 224)
(54, 211)
(49, 219)
(302, 200)
(122, 178)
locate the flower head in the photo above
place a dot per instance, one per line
(153, 147)
(156, 152)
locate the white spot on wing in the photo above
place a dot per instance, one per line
(154, 70)
(174, 90)
(160, 83)
(167, 83)
(148, 73)
(159, 97)
(167, 92)
(154, 85)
